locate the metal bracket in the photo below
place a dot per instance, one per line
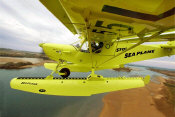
(94, 77)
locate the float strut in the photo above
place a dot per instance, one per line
(54, 71)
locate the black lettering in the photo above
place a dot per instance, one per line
(126, 55)
(109, 26)
(29, 83)
(138, 53)
(99, 24)
(102, 32)
(123, 49)
(145, 52)
(133, 54)
(149, 51)
(119, 25)
(118, 49)
(95, 30)
(129, 55)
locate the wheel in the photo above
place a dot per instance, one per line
(66, 71)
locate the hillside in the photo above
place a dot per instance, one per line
(4, 52)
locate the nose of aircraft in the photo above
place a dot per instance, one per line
(51, 50)
(41, 44)
(57, 51)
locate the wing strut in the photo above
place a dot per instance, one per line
(139, 43)
(86, 15)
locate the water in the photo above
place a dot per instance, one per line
(14, 103)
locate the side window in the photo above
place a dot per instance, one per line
(85, 48)
(76, 44)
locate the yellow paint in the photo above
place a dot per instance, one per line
(78, 86)
(81, 61)
(87, 18)
(72, 12)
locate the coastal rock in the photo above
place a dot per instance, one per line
(127, 69)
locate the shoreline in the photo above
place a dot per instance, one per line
(6, 62)
(125, 69)
(153, 100)
(148, 101)
(166, 72)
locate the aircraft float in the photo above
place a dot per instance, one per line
(115, 32)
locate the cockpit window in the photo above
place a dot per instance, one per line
(84, 47)
(76, 44)
(96, 46)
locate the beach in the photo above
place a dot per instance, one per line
(153, 100)
(33, 62)
(166, 72)
(149, 101)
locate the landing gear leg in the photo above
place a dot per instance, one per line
(64, 72)
(54, 71)
(94, 76)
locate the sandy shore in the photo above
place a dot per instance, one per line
(127, 69)
(19, 59)
(34, 61)
(156, 63)
(149, 101)
(166, 72)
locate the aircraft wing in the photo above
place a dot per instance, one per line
(168, 35)
(58, 11)
(110, 20)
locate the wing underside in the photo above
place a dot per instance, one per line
(115, 19)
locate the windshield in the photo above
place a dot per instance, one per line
(84, 47)
(76, 44)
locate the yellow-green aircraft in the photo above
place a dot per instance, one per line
(114, 32)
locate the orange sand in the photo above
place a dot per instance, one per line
(149, 101)
(10, 59)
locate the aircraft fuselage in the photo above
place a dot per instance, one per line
(108, 57)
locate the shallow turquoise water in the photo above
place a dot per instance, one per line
(14, 103)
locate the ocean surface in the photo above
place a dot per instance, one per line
(14, 103)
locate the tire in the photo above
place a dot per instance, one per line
(66, 71)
